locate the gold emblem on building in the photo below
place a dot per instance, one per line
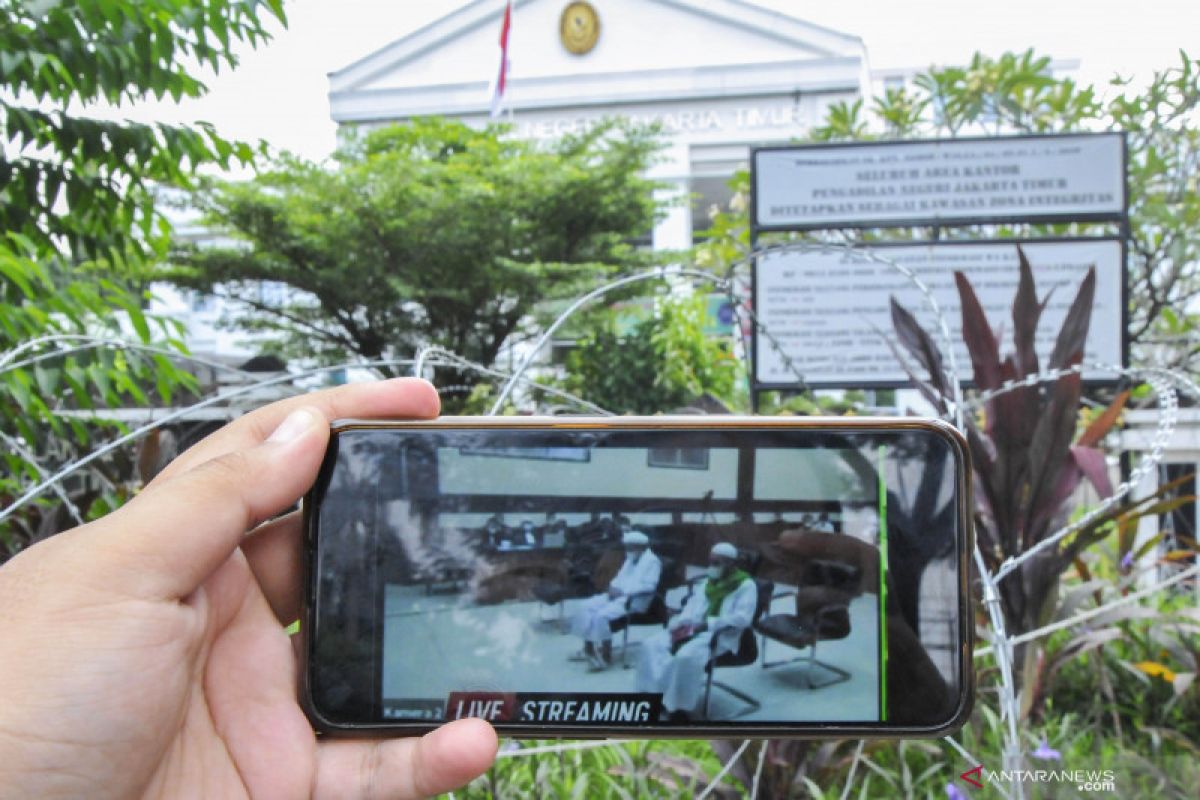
(579, 27)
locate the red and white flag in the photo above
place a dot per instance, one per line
(501, 83)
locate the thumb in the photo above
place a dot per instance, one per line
(171, 537)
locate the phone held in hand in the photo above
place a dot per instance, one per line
(640, 576)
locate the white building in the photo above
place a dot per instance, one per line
(1180, 462)
(718, 75)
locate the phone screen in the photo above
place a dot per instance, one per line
(583, 579)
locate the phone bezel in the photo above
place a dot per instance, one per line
(809, 730)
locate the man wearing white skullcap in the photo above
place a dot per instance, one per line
(673, 662)
(630, 592)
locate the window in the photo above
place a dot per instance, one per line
(202, 303)
(677, 457)
(580, 454)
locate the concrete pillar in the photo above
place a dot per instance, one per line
(674, 230)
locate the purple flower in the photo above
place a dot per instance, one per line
(1127, 560)
(954, 793)
(1046, 753)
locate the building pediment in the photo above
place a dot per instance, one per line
(645, 49)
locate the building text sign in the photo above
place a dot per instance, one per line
(829, 312)
(883, 184)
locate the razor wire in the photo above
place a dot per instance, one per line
(949, 368)
(726, 283)
(223, 397)
(660, 273)
(35, 463)
(434, 355)
(758, 769)
(98, 342)
(1098, 611)
(728, 765)
(1159, 379)
(1165, 384)
(849, 784)
(1168, 404)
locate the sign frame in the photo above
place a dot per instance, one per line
(949, 220)
(1121, 240)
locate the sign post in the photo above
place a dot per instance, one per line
(828, 309)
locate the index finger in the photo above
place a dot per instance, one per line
(411, 398)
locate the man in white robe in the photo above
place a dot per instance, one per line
(673, 662)
(630, 592)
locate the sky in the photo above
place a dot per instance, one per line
(279, 92)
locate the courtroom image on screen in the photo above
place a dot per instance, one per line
(635, 585)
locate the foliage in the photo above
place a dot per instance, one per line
(1017, 93)
(45, 400)
(1144, 761)
(808, 404)
(1132, 670)
(77, 207)
(86, 187)
(426, 233)
(665, 363)
(1061, 742)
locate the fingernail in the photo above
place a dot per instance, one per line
(296, 424)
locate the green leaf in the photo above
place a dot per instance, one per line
(20, 387)
(138, 318)
(47, 379)
(11, 270)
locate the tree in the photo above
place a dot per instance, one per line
(664, 363)
(1016, 93)
(80, 225)
(426, 233)
(82, 188)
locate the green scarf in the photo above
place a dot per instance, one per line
(715, 591)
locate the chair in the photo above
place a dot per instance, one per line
(746, 653)
(656, 613)
(822, 614)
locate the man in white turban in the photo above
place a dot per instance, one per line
(630, 592)
(673, 662)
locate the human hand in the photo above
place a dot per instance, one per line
(145, 654)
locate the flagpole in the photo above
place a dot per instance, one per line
(500, 87)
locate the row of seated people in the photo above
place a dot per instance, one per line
(448, 560)
(554, 533)
(556, 560)
(716, 623)
(599, 530)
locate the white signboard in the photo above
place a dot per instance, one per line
(1030, 178)
(829, 312)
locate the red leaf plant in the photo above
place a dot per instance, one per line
(1028, 453)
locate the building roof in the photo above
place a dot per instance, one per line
(647, 50)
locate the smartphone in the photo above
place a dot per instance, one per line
(640, 576)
